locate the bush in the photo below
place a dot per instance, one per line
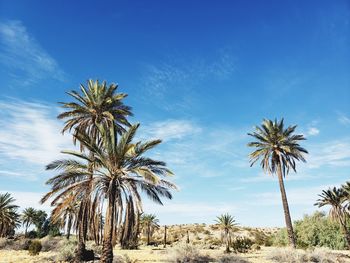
(319, 255)
(22, 244)
(262, 239)
(34, 248)
(242, 244)
(186, 253)
(316, 230)
(280, 239)
(319, 230)
(124, 259)
(66, 251)
(50, 244)
(5, 243)
(231, 259)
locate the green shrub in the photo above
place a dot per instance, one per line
(318, 230)
(280, 239)
(242, 244)
(315, 230)
(34, 248)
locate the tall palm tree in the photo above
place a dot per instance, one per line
(227, 224)
(335, 198)
(96, 105)
(28, 218)
(149, 223)
(120, 173)
(278, 148)
(9, 218)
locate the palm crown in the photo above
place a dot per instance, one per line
(9, 219)
(276, 145)
(96, 105)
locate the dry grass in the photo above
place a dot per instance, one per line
(63, 249)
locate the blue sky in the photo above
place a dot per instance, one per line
(200, 75)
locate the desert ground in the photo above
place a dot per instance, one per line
(161, 255)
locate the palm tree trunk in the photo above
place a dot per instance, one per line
(69, 226)
(164, 236)
(80, 250)
(26, 231)
(343, 223)
(227, 242)
(107, 248)
(148, 234)
(288, 220)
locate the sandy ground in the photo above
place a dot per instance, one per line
(144, 254)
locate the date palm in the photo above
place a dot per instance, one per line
(149, 223)
(65, 212)
(120, 173)
(278, 149)
(335, 198)
(9, 218)
(227, 224)
(96, 105)
(346, 191)
(28, 218)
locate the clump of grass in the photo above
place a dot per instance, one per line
(34, 248)
(318, 255)
(186, 253)
(66, 251)
(231, 259)
(124, 259)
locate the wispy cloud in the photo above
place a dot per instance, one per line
(313, 131)
(171, 129)
(25, 59)
(343, 119)
(30, 133)
(332, 153)
(196, 150)
(306, 196)
(178, 80)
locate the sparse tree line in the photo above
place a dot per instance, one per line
(98, 189)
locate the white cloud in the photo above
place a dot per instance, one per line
(25, 59)
(171, 129)
(332, 153)
(31, 133)
(178, 80)
(312, 131)
(343, 119)
(305, 196)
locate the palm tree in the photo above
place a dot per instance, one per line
(9, 218)
(97, 105)
(65, 212)
(227, 224)
(279, 149)
(335, 198)
(346, 190)
(120, 173)
(149, 223)
(28, 218)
